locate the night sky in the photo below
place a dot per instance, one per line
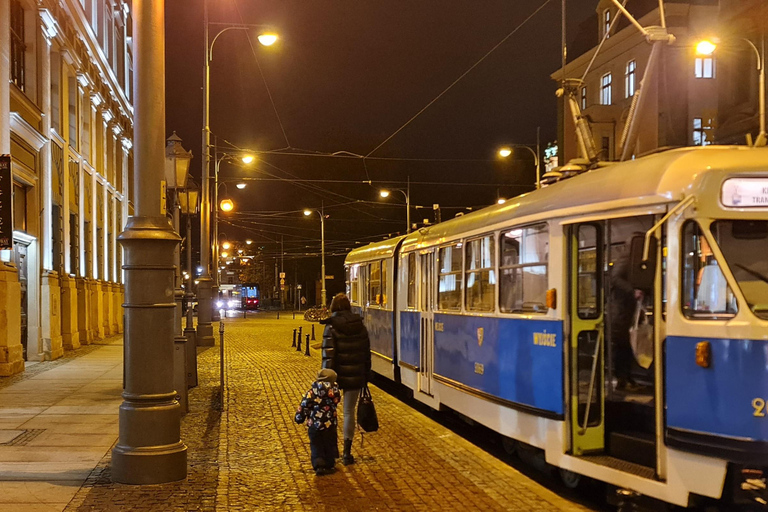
(344, 77)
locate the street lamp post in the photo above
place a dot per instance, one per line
(205, 302)
(322, 252)
(188, 199)
(407, 194)
(707, 48)
(149, 449)
(506, 151)
(177, 161)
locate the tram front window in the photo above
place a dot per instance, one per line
(744, 244)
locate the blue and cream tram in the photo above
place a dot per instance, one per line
(615, 322)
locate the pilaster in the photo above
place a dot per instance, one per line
(5, 77)
(50, 296)
(117, 309)
(11, 351)
(106, 293)
(70, 333)
(98, 306)
(83, 310)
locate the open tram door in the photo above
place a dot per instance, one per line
(587, 348)
(615, 322)
(427, 327)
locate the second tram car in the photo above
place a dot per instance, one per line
(615, 322)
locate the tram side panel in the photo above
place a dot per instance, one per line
(516, 361)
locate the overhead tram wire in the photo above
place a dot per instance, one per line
(263, 78)
(473, 66)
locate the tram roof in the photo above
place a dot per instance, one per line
(655, 179)
(375, 251)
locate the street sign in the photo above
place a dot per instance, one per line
(6, 203)
(298, 287)
(282, 282)
(282, 275)
(328, 277)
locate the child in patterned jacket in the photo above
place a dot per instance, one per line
(318, 409)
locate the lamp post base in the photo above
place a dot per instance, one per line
(140, 465)
(149, 448)
(204, 310)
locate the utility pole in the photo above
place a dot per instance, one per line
(149, 449)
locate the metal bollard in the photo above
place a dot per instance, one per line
(313, 332)
(294, 339)
(294, 315)
(245, 312)
(307, 352)
(298, 346)
(278, 315)
(299, 334)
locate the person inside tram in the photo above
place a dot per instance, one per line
(624, 299)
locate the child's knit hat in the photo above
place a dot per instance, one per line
(326, 375)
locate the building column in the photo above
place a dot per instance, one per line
(11, 351)
(83, 310)
(70, 332)
(5, 77)
(50, 301)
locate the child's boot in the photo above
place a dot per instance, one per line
(347, 458)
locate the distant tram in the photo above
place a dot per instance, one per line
(511, 316)
(250, 296)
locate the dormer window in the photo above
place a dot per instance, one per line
(607, 23)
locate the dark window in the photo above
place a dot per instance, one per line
(88, 241)
(412, 280)
(74, 245)
(99, 253)
(19, 207)
(17, 44)
(58, 238)
(73, 113)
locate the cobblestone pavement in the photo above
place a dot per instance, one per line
(254, 457)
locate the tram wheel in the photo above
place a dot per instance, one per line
(509, 445)
(570, 479)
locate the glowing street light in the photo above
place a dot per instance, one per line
(501, 200)
(307, 213)
(705, 47)
(247, 159)
(267, 39)
(226, 245)
(227, 205)
(505, 152)
(241, 186)
(384, 193)
(406, 193)
(249, 242)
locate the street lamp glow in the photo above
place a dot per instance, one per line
(505, 152)
(224, 254)
(705, 47)
(226, 205)
(501, 200)
(247, 159)
(267, 39)
(307, 212)
(226, 245)
(241, 186)
(384, 193)
(249, 242)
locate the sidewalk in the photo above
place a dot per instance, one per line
(57, 420)
(252, 457)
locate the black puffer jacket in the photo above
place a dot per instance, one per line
(347, 349)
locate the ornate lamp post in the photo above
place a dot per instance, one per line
(177, 161)
(149, 449)
(189, 201)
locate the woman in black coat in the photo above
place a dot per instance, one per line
(347, 351)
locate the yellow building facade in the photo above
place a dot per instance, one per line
(66, 120)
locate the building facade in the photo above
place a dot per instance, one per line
(682, 97)
(66, 120)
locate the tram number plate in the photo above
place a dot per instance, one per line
(759, 405)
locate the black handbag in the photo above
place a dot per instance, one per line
(366, 412)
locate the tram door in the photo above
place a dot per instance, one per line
(587, 346)
(427, 302)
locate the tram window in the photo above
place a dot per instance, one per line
(523, 270)
(589, 272)
(744, 244)
(412, 280)
(383, 299)
(480, 274)
(449, 287)
(352, 284)
(705, 291)
(374, 283)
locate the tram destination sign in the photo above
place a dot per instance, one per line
(6, 203)
(745, 193)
